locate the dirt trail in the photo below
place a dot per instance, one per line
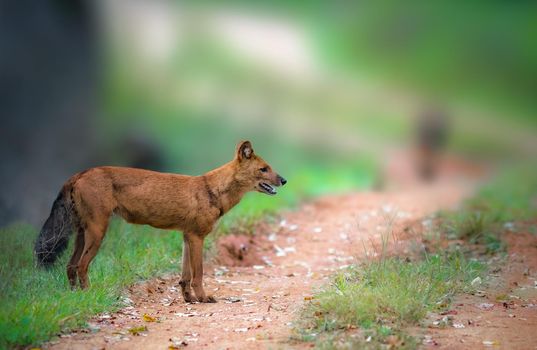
(257, 304)
(503, 315)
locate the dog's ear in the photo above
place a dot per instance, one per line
(244, 150)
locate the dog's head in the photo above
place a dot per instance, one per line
(254, 173)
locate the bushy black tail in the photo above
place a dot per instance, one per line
(54, 235)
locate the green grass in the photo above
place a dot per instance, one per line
(511, 196)
(380, 298)
(37, 303)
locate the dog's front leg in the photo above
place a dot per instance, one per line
(186, 274)
(195, 246)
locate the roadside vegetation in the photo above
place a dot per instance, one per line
(37, 304)
(509, 199)
(372, 304)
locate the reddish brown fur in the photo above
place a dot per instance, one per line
(191, 204)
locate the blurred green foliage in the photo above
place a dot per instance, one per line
(479, 56)
(481, 50)
(478, 51)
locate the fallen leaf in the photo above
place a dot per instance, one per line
(490, 342)
(137, 330)
(289, 249)
(449, 312)
(501, 297)
(177, 343)
(443, 322)
(485, 306)
(480, 293)
(233, 299)
(188, 314)
(394, 341)
(509, 305)
(427, 340)
(275, 307)
(148, 318)
(476, 282)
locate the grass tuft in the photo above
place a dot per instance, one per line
(512, 196)
(381, 297)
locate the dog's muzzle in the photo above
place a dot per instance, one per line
(269, 189)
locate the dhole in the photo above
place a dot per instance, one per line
(191, 204)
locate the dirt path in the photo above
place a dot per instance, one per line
(503, 314)
(257, 304)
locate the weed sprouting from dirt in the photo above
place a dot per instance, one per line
(370, 304)
(482, 219)
(382, 296)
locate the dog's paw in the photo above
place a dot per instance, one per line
(208, 299)
(189, 298)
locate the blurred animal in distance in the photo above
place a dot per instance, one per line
(432, 132)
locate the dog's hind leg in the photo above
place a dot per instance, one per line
(93, 237)
(73, 263)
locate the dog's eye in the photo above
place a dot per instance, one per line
(264, 169)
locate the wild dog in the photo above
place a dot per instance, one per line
(191, 204)
(432, 134)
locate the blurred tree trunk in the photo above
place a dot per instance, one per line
(48, 79)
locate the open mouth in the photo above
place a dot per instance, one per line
(266, 188)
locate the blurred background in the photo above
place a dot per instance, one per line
(335, 95)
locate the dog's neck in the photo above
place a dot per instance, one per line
(223, 189)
